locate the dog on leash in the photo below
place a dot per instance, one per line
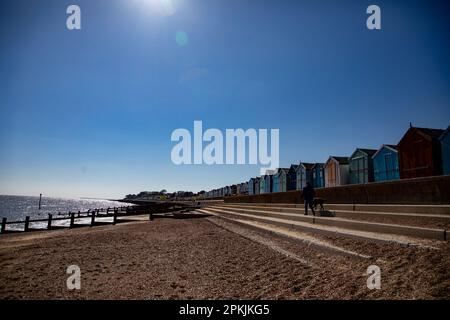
(318, 202)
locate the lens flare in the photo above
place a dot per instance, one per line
(181, 38)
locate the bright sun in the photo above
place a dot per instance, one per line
(162, 7)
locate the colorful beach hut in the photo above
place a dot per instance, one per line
(292, 177)
(303, 175)
(251, 186)
(419, 153)
(336, 171)
(361, 166)
(257, 185)
(385, 163)
(318, 175)
(244, 187)
(281, 179)
(275, 184)
(262, 185)
(268, 183)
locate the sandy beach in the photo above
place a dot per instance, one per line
(207, 258)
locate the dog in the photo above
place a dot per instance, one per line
(318, 202)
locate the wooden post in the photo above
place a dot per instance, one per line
(49, 223)
(3, 225)
(79, 214)
(40, 199)
(115, 216)
(27, 223)
(93, 218)
(151, 216)
(72, 219)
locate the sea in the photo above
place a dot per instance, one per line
(16, 208)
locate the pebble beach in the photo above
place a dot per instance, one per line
(208, 258)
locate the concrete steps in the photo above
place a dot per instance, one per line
(344, 226)
(439, 221)
(391, 208)
(317, 230)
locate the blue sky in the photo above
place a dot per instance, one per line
(90, 112)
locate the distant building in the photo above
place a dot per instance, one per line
(419, 153)
(318, 177)
(361, 166)
(336, 171)
(445, 150)
(385, 163)
(304, 174)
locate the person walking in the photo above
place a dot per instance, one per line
(308, 194)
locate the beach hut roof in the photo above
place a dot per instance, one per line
(444, 133)
(393, 147)
(280, 170)
(307, 165)
(434, 133)
(427, 133)
(368, 152)
(340, 160)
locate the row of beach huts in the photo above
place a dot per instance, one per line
(421, 152)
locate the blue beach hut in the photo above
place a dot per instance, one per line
(303, 174)
(361, 166)
(318, 175)
(281, 180)
(262, 185)
(385, 163)
(275, 184)
(251, 186)
(292, 177)
(257, 185)
(268, 183)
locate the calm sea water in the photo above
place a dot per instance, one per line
(16, 208)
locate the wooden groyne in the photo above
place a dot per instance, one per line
(115, 213)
